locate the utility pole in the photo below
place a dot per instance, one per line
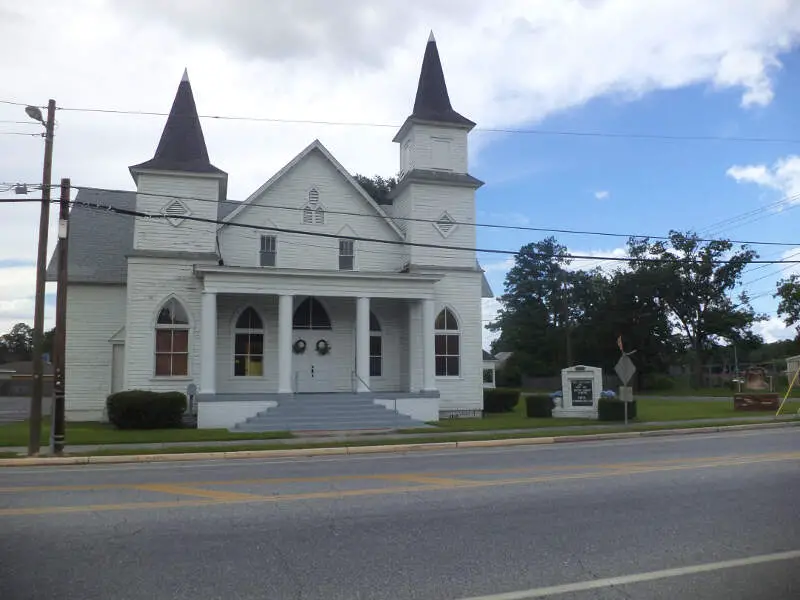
(34, 439)
(60, 341)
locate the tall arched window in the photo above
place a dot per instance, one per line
(375, 347)
(447, 344)
(248, 345)
(311, 315)
(172, 340)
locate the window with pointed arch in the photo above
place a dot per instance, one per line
(310, 314)
(447, 345)
(248, 344)
(172, 340)
(375, 347)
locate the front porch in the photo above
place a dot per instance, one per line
(276, 345)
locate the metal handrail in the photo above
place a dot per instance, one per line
(357, 376)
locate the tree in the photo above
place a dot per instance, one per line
(377, 186)
(545, 308)
(691, 281)
(789, 304)
(17, 344)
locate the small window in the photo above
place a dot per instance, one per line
(346, 255)
(269, 250)
(440, 154)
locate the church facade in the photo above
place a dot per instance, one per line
(307, 291)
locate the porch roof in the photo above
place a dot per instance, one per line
(313, 282)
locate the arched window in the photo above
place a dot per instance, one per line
(311, 315)
(248, 345)
(172, 340)
(375, 347)
(447, 344)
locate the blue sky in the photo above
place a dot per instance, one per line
(645, 186)
(717, 67)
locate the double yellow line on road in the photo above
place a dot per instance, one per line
(196, 495)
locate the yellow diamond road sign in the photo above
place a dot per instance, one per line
(625, 369)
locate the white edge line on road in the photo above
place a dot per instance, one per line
(228, 464)
(639, 577)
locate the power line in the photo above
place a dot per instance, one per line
(113, 209)
(434, 221)
(509, 130)
(21, 133)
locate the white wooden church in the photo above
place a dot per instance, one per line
(307, 306)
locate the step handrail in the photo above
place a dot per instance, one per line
(355, 375)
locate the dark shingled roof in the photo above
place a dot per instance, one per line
(182, 146)
(100, 241)
(433, 101)
(487, 356)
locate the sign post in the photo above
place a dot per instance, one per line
(625, 369)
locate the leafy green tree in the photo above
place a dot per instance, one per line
(691, 281)
(378, 187)
(789, 304)
(17, 344)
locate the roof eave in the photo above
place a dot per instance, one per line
(466, 125)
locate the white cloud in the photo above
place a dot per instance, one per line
(773, 330)
(602, 194)
(783, 176)
(17, 291)
(490, 308)
(347, 61)
(499, 267)
(607, 266)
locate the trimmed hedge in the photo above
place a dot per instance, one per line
(539, 406)
(614, 410)
(143, 409)
(499, 400)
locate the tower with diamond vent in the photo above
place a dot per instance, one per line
(179, 189)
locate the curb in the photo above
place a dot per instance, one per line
(383, 449)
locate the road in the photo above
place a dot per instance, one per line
(703, 516)
(17, 408)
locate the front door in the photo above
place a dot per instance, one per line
(313, 370)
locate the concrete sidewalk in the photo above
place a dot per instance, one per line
(354, 436)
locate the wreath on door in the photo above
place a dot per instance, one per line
(323, 347)
(299, 347)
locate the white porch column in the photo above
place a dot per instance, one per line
(208, 343)
(428, 356)
(362, 345)
(285, 344)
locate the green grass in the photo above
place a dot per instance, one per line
(709, 392)
(16, 434)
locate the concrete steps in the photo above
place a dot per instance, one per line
(327, 412)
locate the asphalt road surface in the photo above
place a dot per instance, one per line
(696, 517)
(16, 408)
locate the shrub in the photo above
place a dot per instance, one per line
(539, 405)
(143, 409)
(614, 410)
(500, 400)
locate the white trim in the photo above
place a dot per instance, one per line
(154, 326)
(315, 145)
(449, 332)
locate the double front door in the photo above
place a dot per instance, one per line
(314, 372)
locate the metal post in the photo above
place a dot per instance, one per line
(60, 342)
(35, 431)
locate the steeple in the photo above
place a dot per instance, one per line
(432, 103)
(182, 146)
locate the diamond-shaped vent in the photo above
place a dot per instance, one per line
(176, 212)
(446, 224)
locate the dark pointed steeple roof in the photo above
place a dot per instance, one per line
(433, 101)
(182, 146)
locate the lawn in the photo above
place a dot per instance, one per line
(717, 392)
(16, 434)
(651, 410)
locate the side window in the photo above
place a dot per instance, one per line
(346, 255)
(269, 251)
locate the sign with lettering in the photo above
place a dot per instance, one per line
(582, 392)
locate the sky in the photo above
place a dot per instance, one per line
(544, 73)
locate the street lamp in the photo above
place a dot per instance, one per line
(35, 113)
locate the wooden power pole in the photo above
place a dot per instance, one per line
(35, 433)
(60, 341)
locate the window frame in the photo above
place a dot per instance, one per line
(311, 326)
(351, 256)
(446, 333)
(173, 327)
(249, 354)
(273, 253)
